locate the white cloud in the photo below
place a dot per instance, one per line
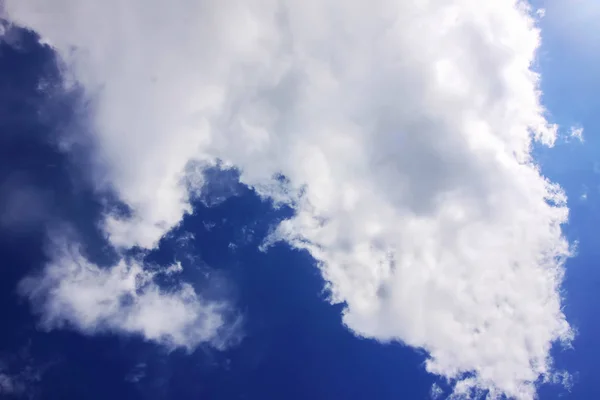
(404, 129)
(576, 133)
(584, 193)
(124, 298)
(540, 12)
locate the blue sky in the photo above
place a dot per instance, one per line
(569, 86)
(298, 265)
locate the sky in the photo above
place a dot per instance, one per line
(298, 199)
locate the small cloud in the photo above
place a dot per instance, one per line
(19, 383)
(185, 239)
(7, 384)
(137, 373)
(173, 269)
(576, 133)
(20, 373)
(436, 392)
(584, 195)
(540, 12)
(208, 225)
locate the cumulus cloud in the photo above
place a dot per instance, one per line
(403, 131)
(124, 298)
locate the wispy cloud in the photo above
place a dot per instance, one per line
(7, 385)
(19, 374)
(436, 392)
(403, 130)
(576, 133)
